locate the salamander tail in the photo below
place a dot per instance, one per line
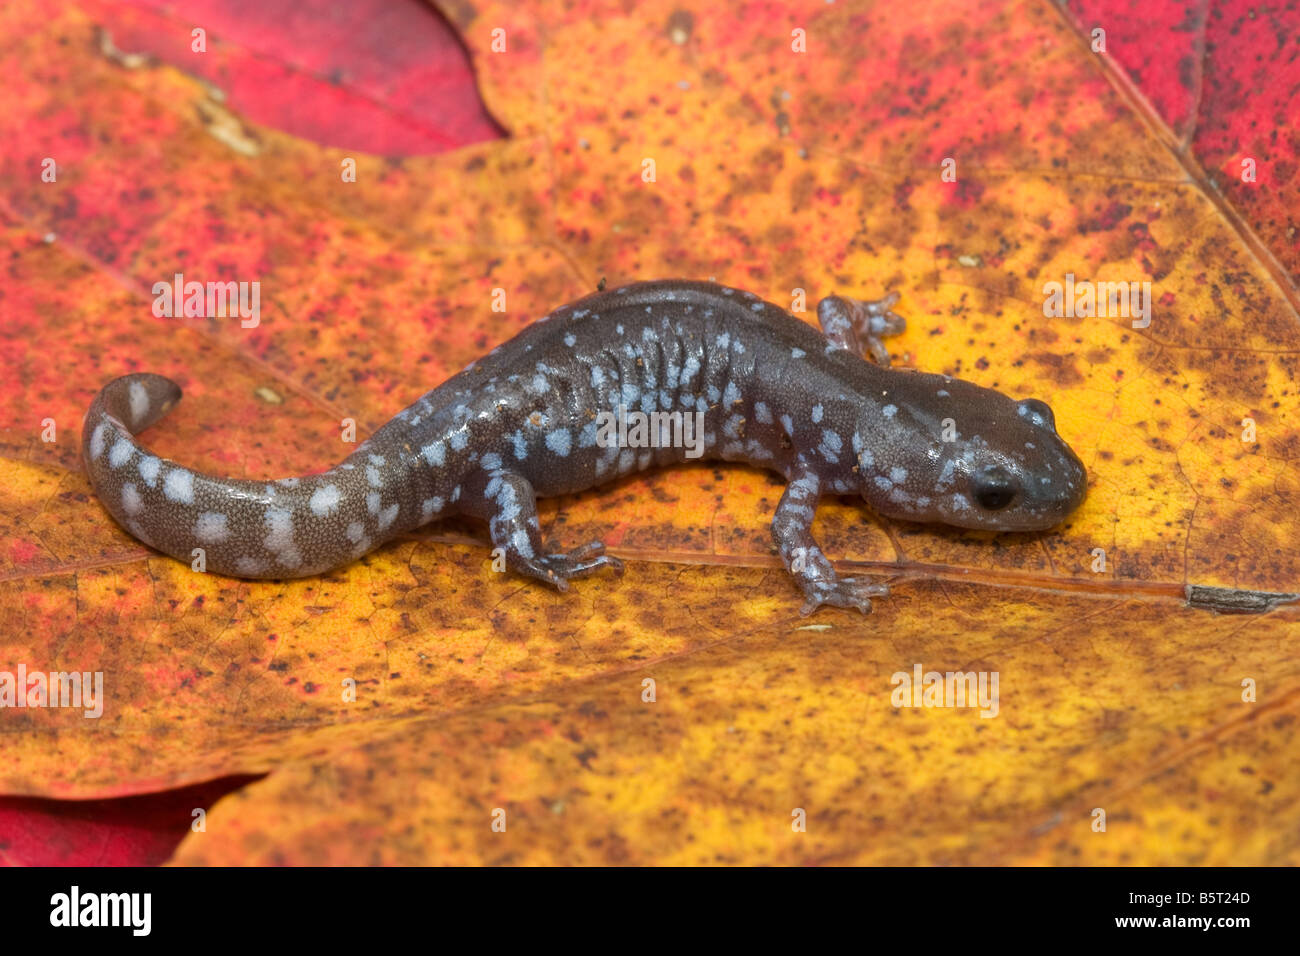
(293, 527)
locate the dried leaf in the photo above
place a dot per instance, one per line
(479, 695)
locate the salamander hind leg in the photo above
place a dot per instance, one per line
(509, 505)
(803, 557)
(860, 325)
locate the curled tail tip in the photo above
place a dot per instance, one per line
(138, 400)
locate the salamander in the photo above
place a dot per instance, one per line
(555, 410)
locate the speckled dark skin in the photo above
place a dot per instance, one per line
(523, 422)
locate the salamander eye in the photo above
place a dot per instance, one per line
(1040, 413)
(994, 488)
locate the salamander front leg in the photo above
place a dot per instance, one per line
(803, 558)
(859, 325)
(509, 504)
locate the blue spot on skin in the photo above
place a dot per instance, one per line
(830, 446)
(97, 441)
(121, 453)
(559, 441)
(521, 447)
(817, 411)
(179, 486)
(148, 469)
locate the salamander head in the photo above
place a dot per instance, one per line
(951, 452)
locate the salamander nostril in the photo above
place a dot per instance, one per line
(1040, 413)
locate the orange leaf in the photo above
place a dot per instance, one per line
(685, 713)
